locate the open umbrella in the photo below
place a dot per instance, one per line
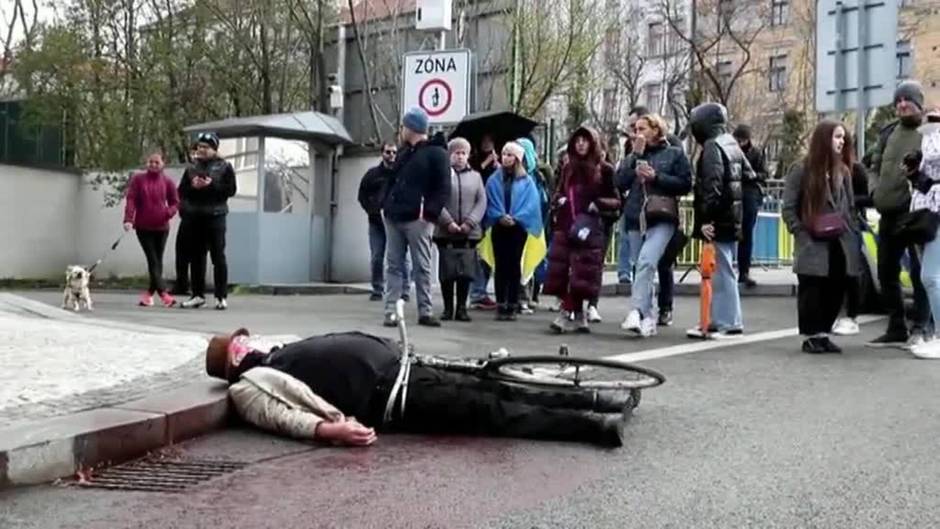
(502, 126)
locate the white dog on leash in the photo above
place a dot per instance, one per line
(76, 288)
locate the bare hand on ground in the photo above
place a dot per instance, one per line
(349, 432)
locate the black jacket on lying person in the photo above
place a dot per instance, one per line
(355, 372)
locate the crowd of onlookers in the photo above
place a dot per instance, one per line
(497, 212)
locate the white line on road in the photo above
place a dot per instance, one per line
(699, 346)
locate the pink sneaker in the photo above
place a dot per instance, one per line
(167, 299)
(146, 300)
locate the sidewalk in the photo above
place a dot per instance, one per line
(78, 391)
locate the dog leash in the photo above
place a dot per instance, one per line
(113, 247)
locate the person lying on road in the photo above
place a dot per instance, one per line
(336, 388)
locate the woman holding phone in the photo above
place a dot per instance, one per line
(657, 174)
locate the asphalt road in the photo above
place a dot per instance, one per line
(756, 435)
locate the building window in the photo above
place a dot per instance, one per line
(778, 73)
(779, 12)
(725, 71)
(905, 59)
(656, 40)
(654, 97)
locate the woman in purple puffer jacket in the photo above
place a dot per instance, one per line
(152, 200)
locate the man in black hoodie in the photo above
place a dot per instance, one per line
(752, 198)
(417, 191)
(371, 194)
(720, 169)
(204, 191)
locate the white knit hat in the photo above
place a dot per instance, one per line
(516, 150)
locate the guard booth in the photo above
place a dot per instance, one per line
(279, 222)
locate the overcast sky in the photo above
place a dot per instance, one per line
(46, 13)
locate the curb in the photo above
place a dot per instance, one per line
(302, 290)
(58, 447)
(690, 289)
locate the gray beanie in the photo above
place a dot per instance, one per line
(911, 91)
(416, 120)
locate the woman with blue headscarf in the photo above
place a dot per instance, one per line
(513, 212)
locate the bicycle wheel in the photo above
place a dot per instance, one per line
(568, 371)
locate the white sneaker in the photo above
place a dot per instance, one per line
(193, 303)
(562, 323)
(221, 304)
(928, 350)
(845, 327)
(916, 340)
(733, 334)
(593, 316)
(632, 322)
(555, 307)
(648, 327)
(526, 309)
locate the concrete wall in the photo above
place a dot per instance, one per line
(351, 226)
(38, 209)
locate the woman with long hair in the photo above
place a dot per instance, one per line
(576, 255)
(819, 208)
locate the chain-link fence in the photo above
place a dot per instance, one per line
(773, 244)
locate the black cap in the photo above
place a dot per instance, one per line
(742, 132)
(209, 138)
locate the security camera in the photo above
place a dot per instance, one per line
(333, 78)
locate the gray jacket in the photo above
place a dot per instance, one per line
(465, 205)
(811, 256)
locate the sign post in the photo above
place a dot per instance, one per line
(856, 42)
(439, 83)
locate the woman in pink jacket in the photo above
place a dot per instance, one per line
(152, 201)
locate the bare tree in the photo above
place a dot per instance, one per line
(366, 69)
(722, 43)
(550, 40)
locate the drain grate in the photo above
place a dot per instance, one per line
(160, 476)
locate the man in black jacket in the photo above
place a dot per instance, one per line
(752, 197)
(371, 194)
(417, 191)
(204, 191)
(719, 172)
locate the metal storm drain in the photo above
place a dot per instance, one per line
(158, 475)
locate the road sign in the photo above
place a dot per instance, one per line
(438, 82)
(856, 62)
(856, 43)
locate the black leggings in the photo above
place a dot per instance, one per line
(508, 244)
(463, 291)
(208, 235)
(153, 244)
(183, 258)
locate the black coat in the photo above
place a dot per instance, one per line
(422, 173)
(755, 157)
(719, 172)
(673, 178)
(212, 200)
(372, 190)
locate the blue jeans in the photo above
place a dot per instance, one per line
(482, 279)
(726, 300)
(377, 250)
(414, 236)
(625, 257)
(648, 250)
(930, 276)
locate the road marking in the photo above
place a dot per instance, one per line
(698, 346)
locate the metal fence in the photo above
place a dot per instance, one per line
(773, 244)
(27, 145)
